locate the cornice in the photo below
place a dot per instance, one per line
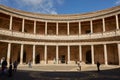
(66, 17)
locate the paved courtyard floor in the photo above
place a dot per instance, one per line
(63, 72)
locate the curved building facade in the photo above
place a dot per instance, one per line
(60, 39)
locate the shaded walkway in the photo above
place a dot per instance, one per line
(111, 74)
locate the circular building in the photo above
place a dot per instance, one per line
(60, 39)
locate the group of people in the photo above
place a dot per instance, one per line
(12, 67)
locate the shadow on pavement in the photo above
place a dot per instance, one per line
(112, 74)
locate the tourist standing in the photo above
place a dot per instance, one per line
(10, 70)
(15, 64)
(79, 65)
(4, 66)
(98, 66)
(30, 64)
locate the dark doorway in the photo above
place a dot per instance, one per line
(18, 58)
(37, 59)
(88, 57)
(62, 58)
(24, 57)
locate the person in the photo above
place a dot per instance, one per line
(98, 66)
(2, 59)
(15, 64)
(10, 70)
(29, 64)
(4, 66)
(79, 65)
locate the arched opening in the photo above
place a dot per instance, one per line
(88, 57)
(37, 58)
(24, 57)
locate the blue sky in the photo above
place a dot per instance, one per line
(60, 6)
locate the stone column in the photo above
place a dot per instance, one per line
(23, 24)
(34, 27)
(117, 23)
(79, 28)
(68, 30)
(105, 54)
(33, 54)
(119, 53)
(10, 26)
(57, 28)
(91, 26)
(21, 54)
(80, 53)
(45, 54)
(8, 53)
(57, 55)
(68, 54)
(103, 20)
(92, 52)
(46, 28)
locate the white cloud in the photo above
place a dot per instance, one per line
(117, 2)
(40, 6)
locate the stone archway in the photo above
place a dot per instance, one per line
(88, 57)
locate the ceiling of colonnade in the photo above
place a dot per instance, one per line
(60, 6)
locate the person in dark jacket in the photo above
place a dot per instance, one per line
(98, 66)
(15, 64)
(10, 70)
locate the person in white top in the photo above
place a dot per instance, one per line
(79, 65)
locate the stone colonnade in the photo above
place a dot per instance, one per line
(66, 54)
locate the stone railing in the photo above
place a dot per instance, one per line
(60, 37)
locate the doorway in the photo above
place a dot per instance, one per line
(88, 57)
(37, 58)
(24, 57)
(62, 58)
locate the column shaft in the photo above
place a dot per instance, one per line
(10, 26)
(33, 54)
(68, 28)
(119, 53)
(117, 23)
(23, 24)
(91, 26)
(46, 28)
(45, 54)
(34, 27)
(57, 28)
(79, 28)
(103, 24)
(57, 58)
(80, 53)
(8, 53)
(21, 54)
(105, 54)
(68, 54)
(92, 52)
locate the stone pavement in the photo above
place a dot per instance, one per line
(64, 72)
